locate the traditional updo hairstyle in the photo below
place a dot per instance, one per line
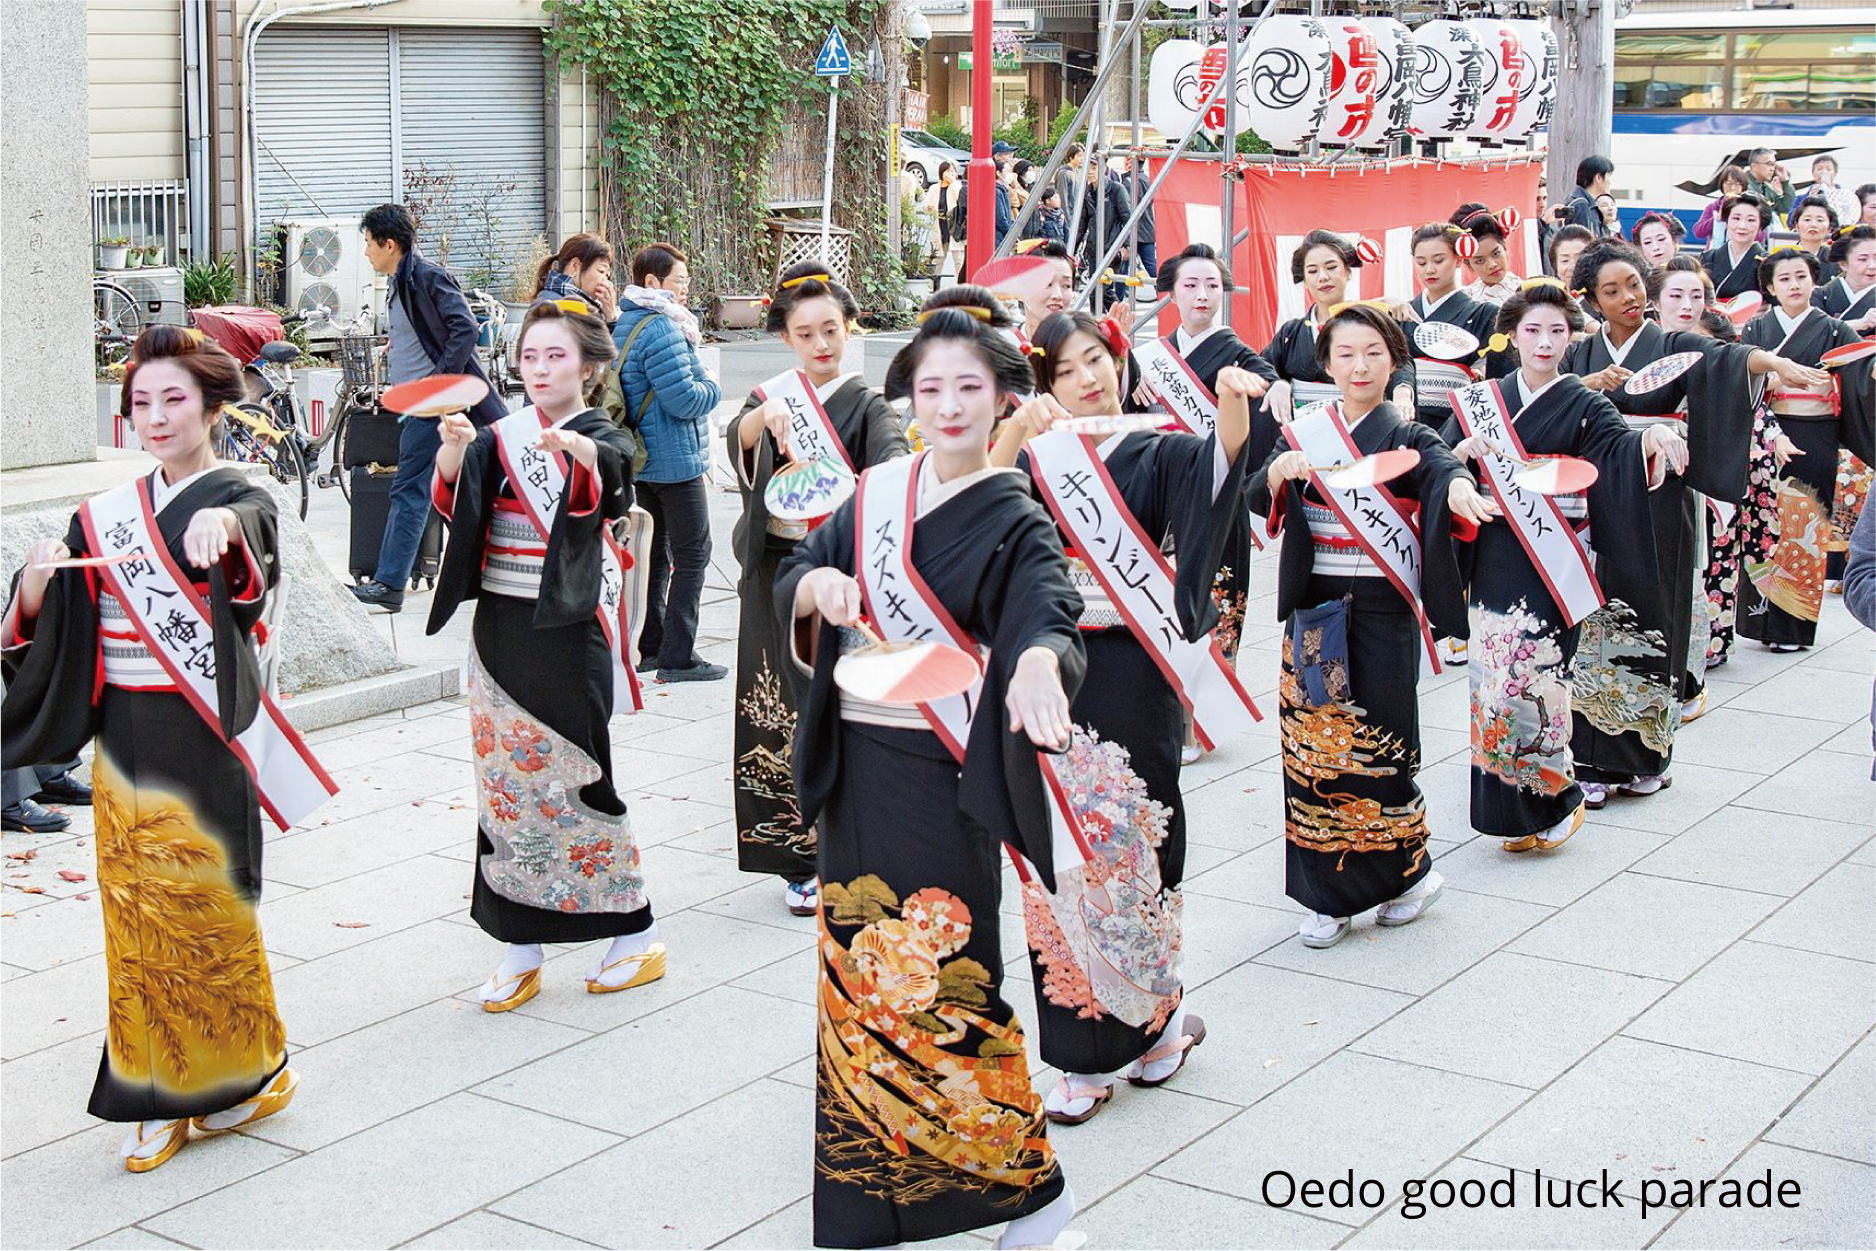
(1478, 221)
(1446, 232)
(1054, 249)
(1344, 248)
(1678, 265)
(1718, 325)
(1606, 251)
(1539, 293)
(1375, 320)
(1745, 197)
(215, 373)
(1787, 252)
(804, 281)
(1846, 239)
(975, 324)
(586, 248)
(590, 335)
(1169, 270)
(1816, 200)
(1054, 332)
(970, 295)
(1672, 223)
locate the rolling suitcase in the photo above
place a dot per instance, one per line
(371, 509)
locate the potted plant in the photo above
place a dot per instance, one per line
(111, 252)
(153, 256)
(133, 258)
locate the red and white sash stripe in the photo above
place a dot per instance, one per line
(539, 479)
(1075, 484)
(810, 431)
(1545, 534)
(1371, 514)
(176, 626)
(1190, 401)
(902, 607)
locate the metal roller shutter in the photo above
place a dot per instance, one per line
(474, 100)
(322, 121)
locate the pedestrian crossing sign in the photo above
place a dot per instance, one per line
(833, 61)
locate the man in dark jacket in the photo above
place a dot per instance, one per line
(1592, 179)
(1139, 178)
(433, 331)
(1105, 208)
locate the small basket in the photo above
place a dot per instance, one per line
(359, 358)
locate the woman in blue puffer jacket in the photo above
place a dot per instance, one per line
(668, 397)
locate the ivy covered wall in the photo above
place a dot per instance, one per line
(697, 94)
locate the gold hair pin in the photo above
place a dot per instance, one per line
(792, 283)
(975, 310)
(574, 306)
(1543, 280)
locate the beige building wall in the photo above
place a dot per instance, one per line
(134, 49)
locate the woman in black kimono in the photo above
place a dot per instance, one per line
(1436, 265)
(1524, 787)
(555, 858)
(192, 1034)
(1815, 223)
(1823, 414)
(1183, 491)
(1631, 666)
(926, 1122)
(1851, 296)
(1733, 260)
(811, 312)
(1354, 818)
(1488, 256)
(1323, 264)
(1200, 288)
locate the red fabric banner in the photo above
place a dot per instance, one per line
(1382, 201)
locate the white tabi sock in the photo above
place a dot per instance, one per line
(623, 947)
(1043, 1227)
(519, 958)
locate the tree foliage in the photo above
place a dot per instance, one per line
(697, 94)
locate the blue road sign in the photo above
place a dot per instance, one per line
(832, 61)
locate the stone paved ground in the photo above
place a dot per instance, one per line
(1684, 992)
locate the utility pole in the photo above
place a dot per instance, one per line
(1584, 113)
(981, 183)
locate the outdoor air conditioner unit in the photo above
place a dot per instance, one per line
(324, 267)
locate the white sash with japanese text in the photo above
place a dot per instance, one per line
(539, 480)
(1078, 490)
(811, 433)
(1546, 536)
(175, 625)
(1373, 517)
(1190, 401)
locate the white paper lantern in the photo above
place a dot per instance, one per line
(1172, 87)
(1394, 44)
(1357, 108)
(1289, 66)
(1537, 88)
(1501, 78)
(1449, 73)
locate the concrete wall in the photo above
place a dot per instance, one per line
(48, 407)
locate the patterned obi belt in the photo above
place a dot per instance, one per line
(127, 662)
(1435, 380)
(793, 531)
(1804, 403)
(1097, 610)
(516, 553)
(1339, 554)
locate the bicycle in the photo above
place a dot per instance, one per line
(115, 321)
(250, 435)
(492, 348)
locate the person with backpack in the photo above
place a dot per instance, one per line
(659, 389)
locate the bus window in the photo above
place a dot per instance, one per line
(1804, 46)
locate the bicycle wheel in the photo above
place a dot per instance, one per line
(275, 450)
(341, 429)
(116, 321)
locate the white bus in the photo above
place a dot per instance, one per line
(1696, 90)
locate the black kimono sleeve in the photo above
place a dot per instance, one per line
(1621, 525)
(1720, 403)
(1856, 391)
(1199, 520)
(50, 710)
(1442, 591)
(754, 467)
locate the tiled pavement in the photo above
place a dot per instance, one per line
(1684, 992)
